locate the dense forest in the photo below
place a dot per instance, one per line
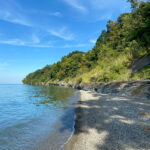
(125, 40)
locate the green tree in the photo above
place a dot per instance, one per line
(125, 40)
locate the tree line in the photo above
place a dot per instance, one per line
(125, 40)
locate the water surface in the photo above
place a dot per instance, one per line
(35, 117)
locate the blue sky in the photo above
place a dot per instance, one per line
(34, 33)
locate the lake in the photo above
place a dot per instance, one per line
(36, 117)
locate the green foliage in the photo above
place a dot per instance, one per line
(134, 3)
(79, 80)
(143, 74)
(126, 39)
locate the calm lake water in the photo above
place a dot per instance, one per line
(36, 117)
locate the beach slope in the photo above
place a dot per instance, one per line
(111, 122)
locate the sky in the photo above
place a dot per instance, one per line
(34, 33)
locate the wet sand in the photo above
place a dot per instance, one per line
(109, 122)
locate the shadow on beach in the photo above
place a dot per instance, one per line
(120, 123)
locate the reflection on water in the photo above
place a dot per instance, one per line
(31, 116)
(56, 96)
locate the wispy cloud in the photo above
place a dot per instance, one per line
(14, 13)
(11, 11)
(77, 5)
(74, 46)
(56, 14)
(62, 33)
(41, 45)
(13, 42)
(107, 16)
(93, 41)
(7, 16)
(18, 42)
(35, 39)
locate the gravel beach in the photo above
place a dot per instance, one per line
(111, 122)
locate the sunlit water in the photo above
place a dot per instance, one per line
(35, 117)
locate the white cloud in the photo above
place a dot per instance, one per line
(77, 5)
(18, 42)
(57, 14)
(105, 17)
(61, 33)
(74, 46)
(93, 41)
(6, 16)
(35, 39)
(13, 42)
(41, 45)
(12, 12)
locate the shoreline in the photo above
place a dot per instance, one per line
(131, 88)
(110, 121)
(114, 115)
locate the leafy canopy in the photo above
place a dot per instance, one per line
(125, 40)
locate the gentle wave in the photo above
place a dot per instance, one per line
(33, 117)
